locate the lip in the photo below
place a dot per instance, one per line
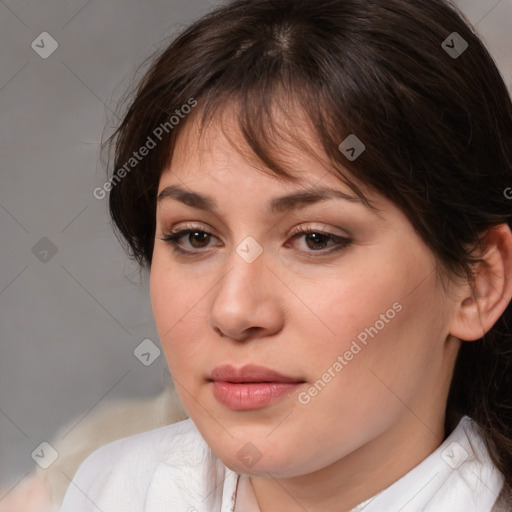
(250, 387)
(249, 373)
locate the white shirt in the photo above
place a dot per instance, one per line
(172, 469)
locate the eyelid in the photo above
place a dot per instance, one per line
(324, 230)
(301, 228)
(189, 226)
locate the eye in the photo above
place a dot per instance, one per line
(318, 241)
(197, 238)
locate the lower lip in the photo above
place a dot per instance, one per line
(247, 396)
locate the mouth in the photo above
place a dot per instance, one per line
(250, 374)
(250, 387)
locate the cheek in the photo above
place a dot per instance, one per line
(350, 306)
(178, 317)
(377, 318)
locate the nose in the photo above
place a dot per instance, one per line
(246, 302)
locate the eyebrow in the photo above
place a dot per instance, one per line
(289, 202)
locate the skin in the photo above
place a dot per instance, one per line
(33, 494)
(384, 412)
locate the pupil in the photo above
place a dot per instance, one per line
(317, 239)
(198, 235)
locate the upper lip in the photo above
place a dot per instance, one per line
(249, 373)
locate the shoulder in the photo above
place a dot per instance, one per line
(166, 443)
(119, 474)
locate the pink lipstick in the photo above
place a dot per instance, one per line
(250, 387)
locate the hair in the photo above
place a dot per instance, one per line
(437, 131)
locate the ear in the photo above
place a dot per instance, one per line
(481, 305)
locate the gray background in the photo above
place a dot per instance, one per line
(69, 325)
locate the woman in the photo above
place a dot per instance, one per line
(319, 189)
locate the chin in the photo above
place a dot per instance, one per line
(256, 460)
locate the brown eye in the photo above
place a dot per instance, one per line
(318, 240)
(310, 241)
(188, 241)
(198, 238)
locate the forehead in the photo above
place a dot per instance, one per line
(218, 146)
(216, 160)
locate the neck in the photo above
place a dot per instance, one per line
(356, 477)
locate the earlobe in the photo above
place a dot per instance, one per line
(491, 292)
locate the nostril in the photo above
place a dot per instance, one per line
(218, 331)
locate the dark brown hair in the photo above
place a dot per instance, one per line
(437, 130)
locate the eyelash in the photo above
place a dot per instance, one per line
(172, 238)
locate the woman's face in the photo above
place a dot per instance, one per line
(359, 330)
